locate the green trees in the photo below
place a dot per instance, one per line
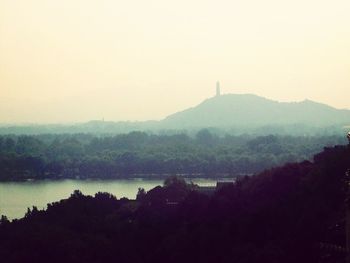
(29, 144)
(141, 154)
(9, 145)
(205, 137)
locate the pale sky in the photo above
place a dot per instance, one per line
(78, 60)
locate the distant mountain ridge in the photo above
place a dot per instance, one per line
(251, 110)
(238, 113)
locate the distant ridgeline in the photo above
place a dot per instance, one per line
(294, 213)
(234, 114)
(138, 154)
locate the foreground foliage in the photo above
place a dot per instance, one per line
(281, 215)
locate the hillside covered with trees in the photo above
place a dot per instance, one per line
(138, 154)
(294, 213)
(248, 110)
(235, 114)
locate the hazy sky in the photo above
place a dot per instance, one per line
(77, 60)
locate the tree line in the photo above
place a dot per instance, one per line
(142, 154)
(285, 214)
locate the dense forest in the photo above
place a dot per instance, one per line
(295, 213)
(141, 154)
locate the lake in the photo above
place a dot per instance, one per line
(16, 197)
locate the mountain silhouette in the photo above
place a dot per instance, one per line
(238, 113)
(250, 110)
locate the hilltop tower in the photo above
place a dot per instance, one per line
(218, 92)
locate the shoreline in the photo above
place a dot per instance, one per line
(131, 177)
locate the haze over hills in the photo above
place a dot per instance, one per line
(240, 113)
(234, 110)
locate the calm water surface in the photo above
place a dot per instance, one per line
(16, 197)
